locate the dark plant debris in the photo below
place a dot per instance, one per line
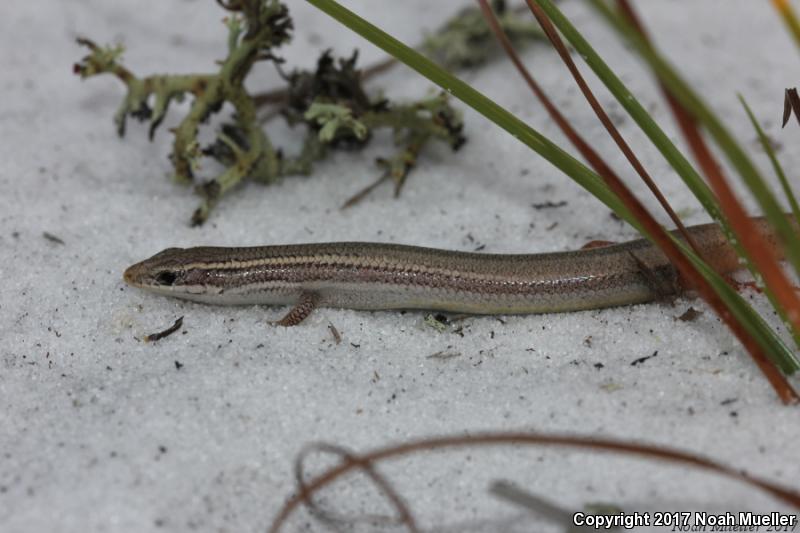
(690, 315)
(549, 205)
(791, 104)
(337, 337)
(52, 238)
(639, 361)
(329, 102)
(166, 333)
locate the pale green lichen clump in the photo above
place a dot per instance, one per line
(330, 102)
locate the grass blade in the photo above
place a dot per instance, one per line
(761, 255)
(661, 238)
(576, 170)
(691, 101)
(789, 18)
(765, 143)
(765, 337)
(713, 171)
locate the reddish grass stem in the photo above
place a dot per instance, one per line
(594, 159)
(684, 266)
(763, 255)
(366, 461)
(404, 513)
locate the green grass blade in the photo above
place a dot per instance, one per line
(657, 136)
(787, 189)
(654, 132)
(773, 347)
(576, 170)
(695, 105)
(770, 206)
(782, 356)
(786, 12)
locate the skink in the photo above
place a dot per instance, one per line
(361, 275)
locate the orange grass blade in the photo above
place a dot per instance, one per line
(659, 235)
(763, 255)
(789, 17)
(593, 158)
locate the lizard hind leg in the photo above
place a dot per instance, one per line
(307, 303)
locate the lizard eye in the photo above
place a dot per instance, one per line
(166, 277)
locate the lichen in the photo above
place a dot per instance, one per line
(330, 102)
(466, 40)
